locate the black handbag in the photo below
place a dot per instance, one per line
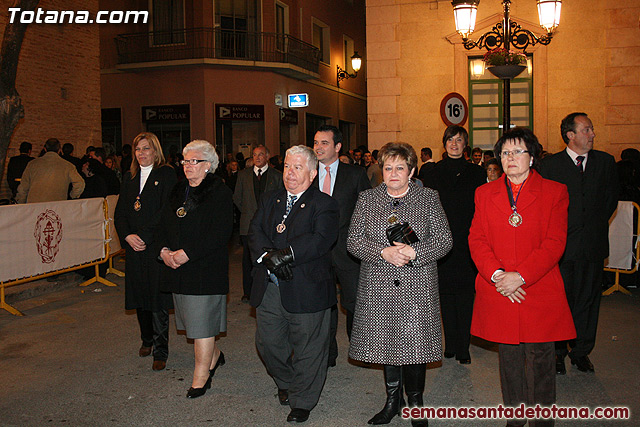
(401, 232)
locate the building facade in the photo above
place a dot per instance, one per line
(416, 58)
(222, 70)
(58, 80)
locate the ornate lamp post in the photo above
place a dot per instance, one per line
(356, 63)
(505, 34)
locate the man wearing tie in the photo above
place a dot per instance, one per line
(290, 237)
(343, 182)
(591, 178)
(251, 184)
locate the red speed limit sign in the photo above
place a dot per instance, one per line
(453, 109)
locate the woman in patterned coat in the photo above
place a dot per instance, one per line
(397, 315)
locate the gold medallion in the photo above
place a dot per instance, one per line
(137, 205)
(181, 212)
(392, 219)
(281, 227)
(515, 219)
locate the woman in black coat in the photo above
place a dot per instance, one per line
(145, 189)
(456, 180)
(196, 224)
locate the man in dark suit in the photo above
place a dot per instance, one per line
(250, 185)
(17, 165)
(291, 237)
(591, 178)
(343, 182)
(429, 163)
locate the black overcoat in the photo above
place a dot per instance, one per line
(142, 269)
(203, 233)
(456, 181)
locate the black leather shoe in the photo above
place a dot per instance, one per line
(193, 392)
(283, 396)
(298, 415)
(560, 368)
(219, 363)
(465, 361)
(583, 364)
(449, 355)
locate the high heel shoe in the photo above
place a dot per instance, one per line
(219, 363)
(194, 392)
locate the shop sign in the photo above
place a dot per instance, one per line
(166, 113)
(239, 112)
(288, 116)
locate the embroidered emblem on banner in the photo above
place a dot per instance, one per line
(48, 235)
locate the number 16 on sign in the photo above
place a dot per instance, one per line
(453, 109)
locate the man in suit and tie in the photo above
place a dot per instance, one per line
(251, 184)
(343, 182)
(591, 178)
(291, 237)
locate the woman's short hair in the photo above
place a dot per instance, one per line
(308, 153)
(207, 150)
(399, 150)
(452, 131)
(154, 142)
(526, 136)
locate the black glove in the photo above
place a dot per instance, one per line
(283, 273)
(274, 259)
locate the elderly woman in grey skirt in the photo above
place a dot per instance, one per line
(196, 226)
(397, 315)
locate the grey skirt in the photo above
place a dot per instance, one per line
(202, 316)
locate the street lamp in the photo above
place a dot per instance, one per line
(356, 63)
(505, 34)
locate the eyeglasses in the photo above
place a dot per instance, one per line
(514, 153)
(192, 162)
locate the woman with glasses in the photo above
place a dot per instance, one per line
(516, 240)
(197, 222)
(145, 189)
(456, 180)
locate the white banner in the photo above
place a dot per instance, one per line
(621, 238)
(38, 238)
(114, 243)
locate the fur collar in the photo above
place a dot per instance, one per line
(197, 195)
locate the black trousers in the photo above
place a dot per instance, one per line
(247, 265)
(456, 319)
(294, 348)
(154, 331)
(348, 279)
(583, 286)
(527, 375)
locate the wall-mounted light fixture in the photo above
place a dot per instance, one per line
(356, 63)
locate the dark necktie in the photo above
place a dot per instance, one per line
(579, 161)
(259, 174)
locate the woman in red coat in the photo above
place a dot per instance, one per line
(517, 237)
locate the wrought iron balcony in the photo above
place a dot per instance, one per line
(215, 43)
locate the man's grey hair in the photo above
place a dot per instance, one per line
(206, 149)
(308, 153)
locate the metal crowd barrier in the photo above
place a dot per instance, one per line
(636, 253)
(96, 279)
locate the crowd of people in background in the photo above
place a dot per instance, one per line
(505, 244)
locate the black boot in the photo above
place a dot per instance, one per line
(413, 378)
(395, 402)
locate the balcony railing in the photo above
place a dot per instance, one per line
(198, 43)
